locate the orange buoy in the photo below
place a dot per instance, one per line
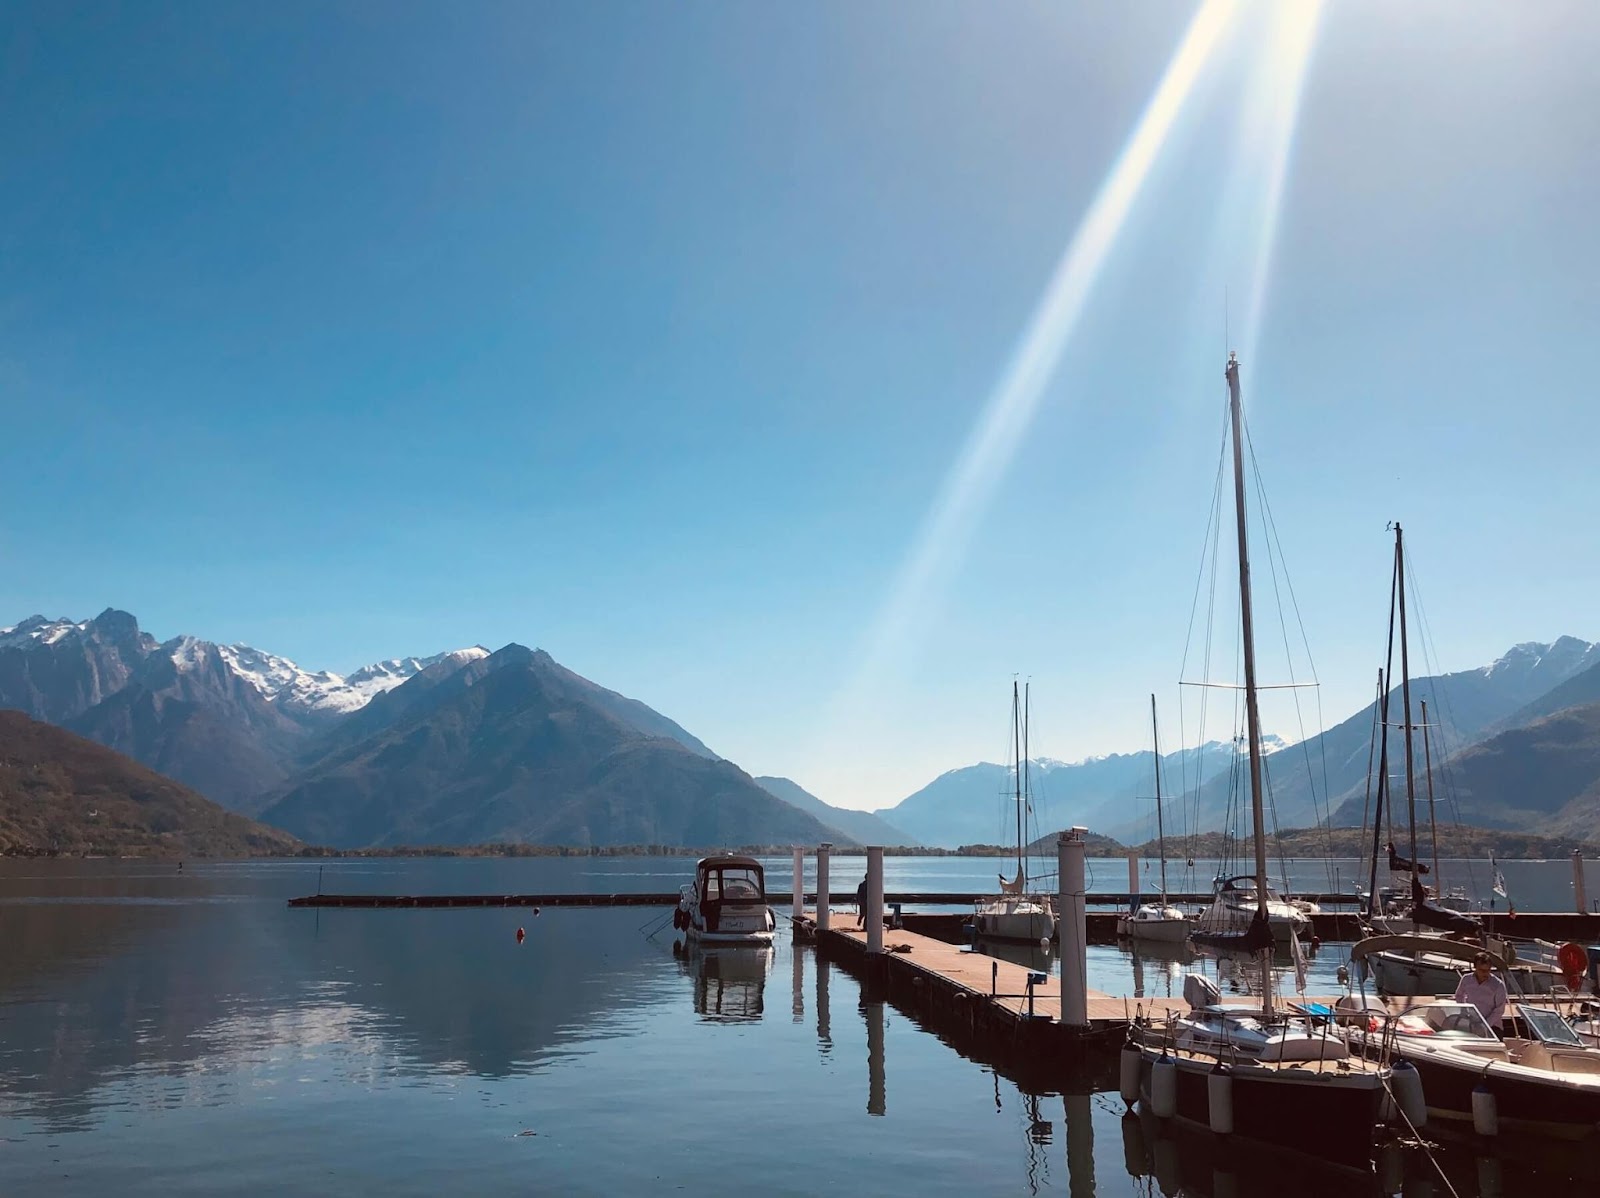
(522, 935)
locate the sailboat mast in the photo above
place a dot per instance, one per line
(1433, 823)
(1252, 711)
(1016, 750)
(1382, 705)
(1027, 782)
(1161, 827)
(1405, 691)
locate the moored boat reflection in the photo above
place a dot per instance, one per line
(729, 983)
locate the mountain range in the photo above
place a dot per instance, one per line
(461, 747)
(1516, 744)
(471, 746)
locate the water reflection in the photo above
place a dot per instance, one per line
(1158, 969)
(877, 1102)
(729, 983)
(1174, 1159)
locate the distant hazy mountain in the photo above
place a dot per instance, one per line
(1113, 795)
(860, 826)
(61, 792)
(514, 747)
(1542, 778)
(1464, 707)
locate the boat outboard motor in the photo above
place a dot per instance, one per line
(1200, 991)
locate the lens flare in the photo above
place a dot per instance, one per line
(941, 542)
(1268, 125)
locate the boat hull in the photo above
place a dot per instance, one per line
(730, 939)
(1029, 927)
(1537, 1116)
(1406, 976)
(1327, 1114)
(1158, 931)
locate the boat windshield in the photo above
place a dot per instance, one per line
(734, 884)
(1549, 1028)
(1449, 1019)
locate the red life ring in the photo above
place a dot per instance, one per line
(1574, 961)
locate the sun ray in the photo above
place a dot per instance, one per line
(957, 509)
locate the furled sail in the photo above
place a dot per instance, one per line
(1012, 887)
(1402, 865)
(1425, 914)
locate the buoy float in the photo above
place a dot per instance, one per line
(1128, 1077)
(1164, 1087)
(1219, 1099)
(522, 934)
(1485, 1114)
(1406, 1083)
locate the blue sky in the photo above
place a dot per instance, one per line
(650, 334)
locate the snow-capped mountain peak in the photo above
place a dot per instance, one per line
(37, 630)
(323, 692)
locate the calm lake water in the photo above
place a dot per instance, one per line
(167, 1032)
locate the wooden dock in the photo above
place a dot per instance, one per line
(981, 1005)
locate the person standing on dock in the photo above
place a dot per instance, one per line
(861, 904)
(1483, 990)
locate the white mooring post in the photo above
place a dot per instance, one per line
(1133, 880)
(1070, 848)
(874, 912)
(1580, 895)
(823, 850)
(799, 907)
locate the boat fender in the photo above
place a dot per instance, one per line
(1485, 1115)
(1219, 1099)
(1128, 1075)
(1406, 1083)
(1164, 1087)
(522, 934)
(1224, 1183)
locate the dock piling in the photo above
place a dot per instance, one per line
(1074, 932)
(799, 907)
(1580, 896)
(874, 911)
(823, 850)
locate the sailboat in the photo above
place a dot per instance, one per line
(1015, 914)
(1257, 1072)
(1406, 952)
(1158, 921)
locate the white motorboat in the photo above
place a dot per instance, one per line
(1543, 1085)
(726, 903)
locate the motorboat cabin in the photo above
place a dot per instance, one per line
(726, 903)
